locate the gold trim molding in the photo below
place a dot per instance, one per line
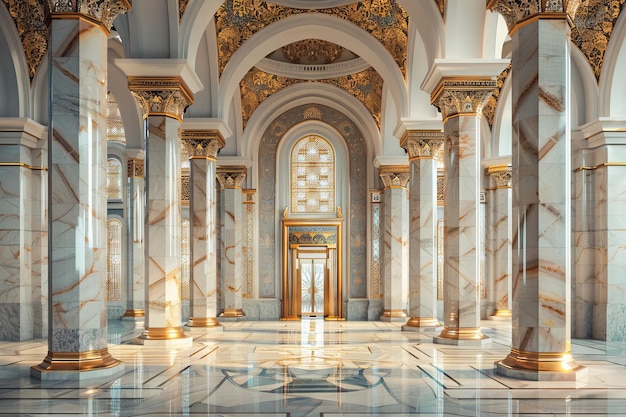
(462, 333)
(162, 333)
(394, 176)
(603, 165)
(423, 322)
(134, 313)
(203, 322)
(202, 143)
(459, 97)
(516, 13)
(558, 362)
(23, 165)
(168, 96)
(77, 361)
(232, 312)
(422, 144)
(502, 174)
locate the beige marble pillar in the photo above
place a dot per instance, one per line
(77, 333)
(395, 251)
(541, 199)
(499, 241)
(422, 147)
(231, 179)
(163, 100)
(460, 102)
(135, 283)
(202, 147)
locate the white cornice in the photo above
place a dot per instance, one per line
(22, 131)
(409, 124)
(462, 69)
(312, 72)
(161, 68)
(202, 123)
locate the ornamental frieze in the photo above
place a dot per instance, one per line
(394, 176)
(502, 175)
(155, 96)
(103, 11)
(453, 97)
(202, 143)
(422, 143)
(231, 176)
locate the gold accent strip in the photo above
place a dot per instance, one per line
(536, 17)
(462, 333)
(463, 114)
(163, 333)
(561, 362)
(498, 168)
(232, 312)
(423, 322)
(134, 313)
(23, 165)
(203, 322)
(605, 164)
(503, 313)
(77, 361)
(395, 313)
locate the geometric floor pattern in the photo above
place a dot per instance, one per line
(313, 368)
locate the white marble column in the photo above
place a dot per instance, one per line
(460, 102)
(202, 147)
(499, 242)
(395, 263)
(22, 228)
(136, 264)
(77, 333)
(231, 179)
(541, 200)
(422, 147)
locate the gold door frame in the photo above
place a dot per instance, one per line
(288, 312)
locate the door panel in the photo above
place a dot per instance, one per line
(312, 277)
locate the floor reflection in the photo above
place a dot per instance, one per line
(313, 368)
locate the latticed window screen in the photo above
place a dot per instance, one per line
(115, 126)
(185, 262)
(114, 179)
(114, 260)
(312, 176)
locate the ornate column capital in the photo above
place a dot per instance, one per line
(102, 12)
(231, 176)
(202, 144)
(516, 13)
(394, 176)
(167, 96)
(502, 174)
(135, 168)
(422, 144)
(455, 96)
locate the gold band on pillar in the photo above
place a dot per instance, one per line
(558, 362)
(163, 333)
(505, 314)
(231, 176)
(390, 313)
(462, 333)
(502, 174)
(518, 14)
(203, 144)
(167, 96)
(203, 322)
(459, 97)
(394, 176)
(422, 144)
(134, 313)
(423, 322)
(232, 312)
(77, 361)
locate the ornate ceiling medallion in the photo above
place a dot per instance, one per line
(312, 51)
(237, 20)
(366, 86)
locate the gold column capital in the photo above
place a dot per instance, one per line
(517, 13)
(202, 144)
(502, 174)
(100, 12)
(454, 96)
(394, 176)
(422, 144)
(135, 168)
(167, 96)
(231, 176)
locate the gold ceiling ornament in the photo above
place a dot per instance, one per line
(312, 51)
(489, 109)
(366, 86)
(237, 20)
(454, 97)
(422, 144)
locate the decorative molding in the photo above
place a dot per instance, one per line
(185, 188)
(441, 5)
(312, 51)
(231, 176)
(441, 188)
(135, 168)
(502, 174)
(394, 176)
(161, 96)
(249, 195)
(182, 6)
(422, 143)
(202, 143)
(236, 21)
(312, 72)
(489, 109)
(453, 97)
(516, 13)
(102, 11)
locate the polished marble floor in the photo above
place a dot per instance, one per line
(313, 368)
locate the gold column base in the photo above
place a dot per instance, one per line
(560, 362)
(501, 314)
(423, 322)
(232, 312)
(163, 333)
(203, 322)
(134, 313)
(462, 333)
(394, 313)
(77, 361)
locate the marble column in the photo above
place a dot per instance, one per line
(202, 147)
(22, 228)
(460, 102)
(135, 283)
(395, 262)
(163, 101)
(541, 197)
(422, 147)
(499, 242)
(231, 179)
(77, 332)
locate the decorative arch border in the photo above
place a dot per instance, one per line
(269, 212)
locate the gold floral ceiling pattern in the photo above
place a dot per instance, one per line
(594, 22)
(257, 85)
(312, 51)
(489, 109)
(237, 20)
(441, 5)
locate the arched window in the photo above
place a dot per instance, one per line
(114, 260)
(312, 176)
(185, 263)
(115, 126)
(114, 179)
